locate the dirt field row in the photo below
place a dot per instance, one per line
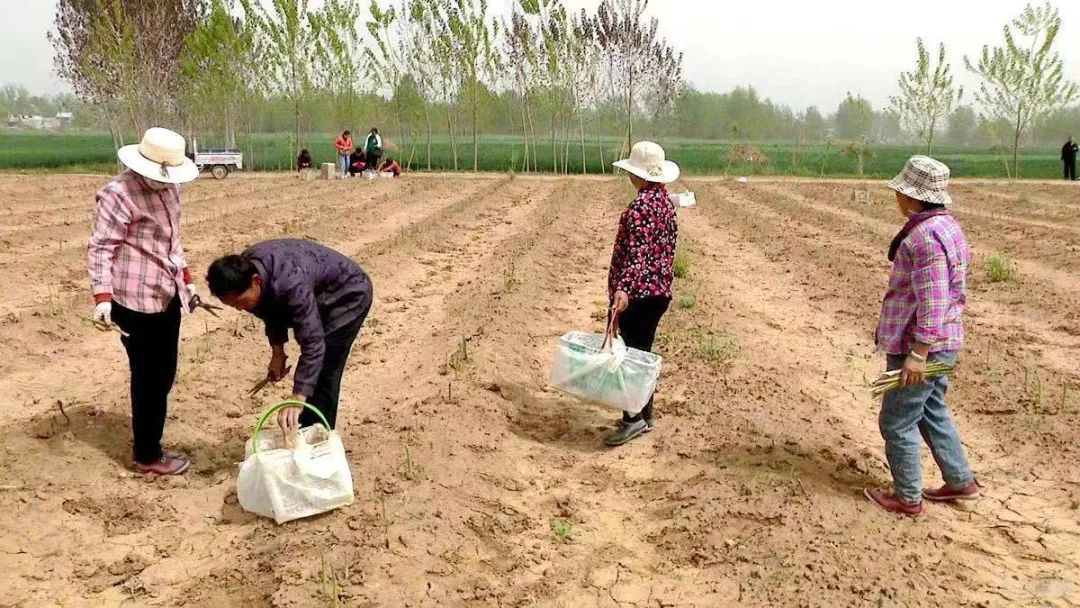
(476, 484)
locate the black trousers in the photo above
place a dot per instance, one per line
(637, 326)
(152, 355)
(373, 159)
(328, 387)
(1070, 170)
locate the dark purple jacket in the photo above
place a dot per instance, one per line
(312, 289)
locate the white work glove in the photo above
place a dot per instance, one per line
(192, 291)
(103, 313)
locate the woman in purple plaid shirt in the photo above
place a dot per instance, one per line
(921, 321)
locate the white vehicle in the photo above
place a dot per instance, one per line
(219, 161)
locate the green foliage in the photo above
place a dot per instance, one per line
(94, 152)
(287, 38)
(1000, 268)
(854, 118)
(564, 530)
(927, 94)
(682, 263)
(687, 302)
(963, 125)
(1023, 79)
(717, 347)
(217, 68)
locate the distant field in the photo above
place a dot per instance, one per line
(92, 152)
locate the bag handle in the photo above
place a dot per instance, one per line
(274, 409)
(612, 331)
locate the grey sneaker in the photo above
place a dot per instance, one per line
(649, 422)
(626, 432)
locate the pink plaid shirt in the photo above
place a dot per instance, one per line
(135, 254)
(927, 290)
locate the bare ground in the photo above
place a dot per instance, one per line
(477, 485)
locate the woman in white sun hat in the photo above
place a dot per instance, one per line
(922, 320)
(642, 264)
(141, 282)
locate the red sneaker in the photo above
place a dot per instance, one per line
(947, 494)
(890, 502)
(166, 465)
(164, 454)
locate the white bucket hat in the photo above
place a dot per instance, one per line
(160, 157)
(924, 179)
(648, 162)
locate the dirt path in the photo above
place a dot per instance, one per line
(478, 485)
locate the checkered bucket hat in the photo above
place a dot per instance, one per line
(924, 179)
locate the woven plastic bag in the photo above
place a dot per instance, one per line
(286, 482)
(600, 370)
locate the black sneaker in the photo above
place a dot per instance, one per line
(626, 432)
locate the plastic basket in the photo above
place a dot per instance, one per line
(614, 375)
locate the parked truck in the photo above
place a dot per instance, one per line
(219, 161)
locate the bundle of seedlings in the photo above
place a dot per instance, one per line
(891, 380)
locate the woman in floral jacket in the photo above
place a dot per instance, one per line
(642, 265)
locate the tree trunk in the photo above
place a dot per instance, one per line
(525, 135)
(930, 139)
(581, 132)
(1016, 146)
(475, 121)
(532, 129)
(566, 150)
(450, 128)
(630, 114)
(600, 145)
(554, 148)
(296, 146)
(427, 120)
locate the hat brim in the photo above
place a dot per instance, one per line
(937, 197)
(183, 173)
(669, 172)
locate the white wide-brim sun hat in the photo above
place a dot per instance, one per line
(160, 157)
(647, 161)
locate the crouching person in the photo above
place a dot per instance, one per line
(321, 294)
(920, 322)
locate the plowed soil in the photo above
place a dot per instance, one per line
(478, 485)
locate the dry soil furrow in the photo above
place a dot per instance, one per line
(840, 273)
(561, 475)
(1044, 252)
(1052, 287)
(399, 389)
(985, 236)
(59, 207)
(215, 456)
(56, 256)
(73, 340)
(827, 369)
(1060, 203)
(71, 224)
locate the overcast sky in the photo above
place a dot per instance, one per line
(793, 51)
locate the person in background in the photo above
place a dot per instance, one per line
(374, 147)
(1068, 158)
(304, 161)
(642, 265)
(321, 294)
(140, 280)
(921, 320)
(344, 145)
(357, 162)
(390, 166)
